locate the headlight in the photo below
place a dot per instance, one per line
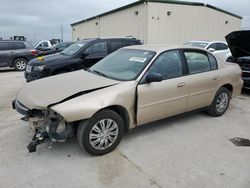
(38, 68)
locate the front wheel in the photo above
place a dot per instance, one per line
(102, 133)
(20, 64)
(220, 103)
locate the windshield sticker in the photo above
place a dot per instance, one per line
(138, 59)
(80, 45)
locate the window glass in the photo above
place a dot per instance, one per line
(115, 45)
(44, 44)
(214, 46)
(123, 64)
(97, 48)
(4, 46)
(213, 62)
(197, 62)
(222, 46)
(75, 48)
(18, 45)
(168, 64)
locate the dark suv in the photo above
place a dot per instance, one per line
(239, 44)
(15, 54)
(80, 55)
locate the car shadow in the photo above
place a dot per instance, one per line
(245, 92)
(7, 70)
(164, 123)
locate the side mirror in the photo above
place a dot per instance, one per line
(84, 55)
(153, 77)
(211, 49)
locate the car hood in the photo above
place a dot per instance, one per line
(42, 93)
(239, 43)
(53, 58)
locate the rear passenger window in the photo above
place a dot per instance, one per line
(197, 62)
(115, 45)
(18, 45)
(4, 46)
(213, 62)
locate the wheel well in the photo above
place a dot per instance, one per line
(18, 58)
(123, 113)
(229, 87)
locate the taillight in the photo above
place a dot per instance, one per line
(33, 52)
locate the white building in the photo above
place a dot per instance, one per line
(160, 21)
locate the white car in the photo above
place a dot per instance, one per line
(218, 48)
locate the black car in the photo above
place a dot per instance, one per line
(55, 49)
(80, 55)
(16, 54)
(239, 44)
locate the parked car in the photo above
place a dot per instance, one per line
(80, 55)
(239, 44)
(130, 87)
(45, 44)
(55, 49)
(218, 48)
(16, 54)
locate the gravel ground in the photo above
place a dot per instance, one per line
(192, 150)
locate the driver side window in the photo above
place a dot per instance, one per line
(168, 64)
(97, 48)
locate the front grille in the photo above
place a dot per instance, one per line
(21, 108)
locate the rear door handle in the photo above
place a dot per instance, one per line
(216, 78)
(181, 85)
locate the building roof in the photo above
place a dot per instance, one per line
(157, 1)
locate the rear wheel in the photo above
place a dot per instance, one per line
(20, 64)
(102, 133)
(220, 103)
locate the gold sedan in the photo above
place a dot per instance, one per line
(132, 86)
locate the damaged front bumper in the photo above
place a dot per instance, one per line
(46, 124)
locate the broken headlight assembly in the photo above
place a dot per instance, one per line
(48, 125)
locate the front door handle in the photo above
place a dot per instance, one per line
(181, 85)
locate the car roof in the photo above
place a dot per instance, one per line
(207, 41)
(160, 47)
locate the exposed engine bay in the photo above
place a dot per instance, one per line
(46, 124)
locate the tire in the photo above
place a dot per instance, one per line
(20, 64)
(219, 107)
(105, 141)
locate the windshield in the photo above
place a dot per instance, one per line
(124, 64)
(197, 44)
(74, 48)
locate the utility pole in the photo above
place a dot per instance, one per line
(62, 32)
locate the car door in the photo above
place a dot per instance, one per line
(202, 80)
(158, 100)
(5, 53)
(95, 53)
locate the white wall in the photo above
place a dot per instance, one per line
(187, 23)
(119, 24)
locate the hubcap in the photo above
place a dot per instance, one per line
(103, 134)
(222, 102)
(21, 65)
